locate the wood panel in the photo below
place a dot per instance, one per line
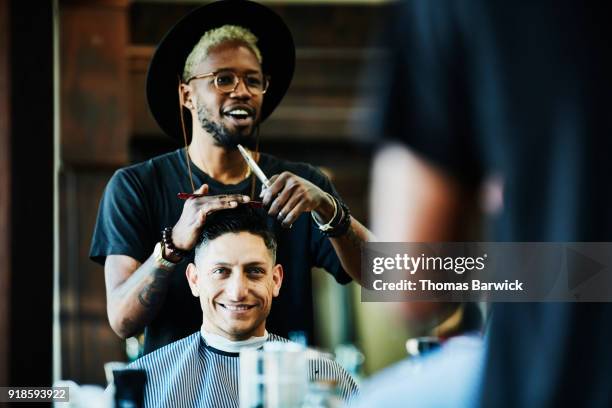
(94, 142)
(312, 24)
(94, 113)
(87, 339)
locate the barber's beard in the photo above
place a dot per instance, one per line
(222, 136)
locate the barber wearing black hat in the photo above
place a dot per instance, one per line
(220, 72)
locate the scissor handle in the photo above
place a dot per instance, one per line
(186, 196)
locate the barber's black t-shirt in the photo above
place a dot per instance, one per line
(141, 200)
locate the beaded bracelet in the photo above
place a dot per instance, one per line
(168, 244)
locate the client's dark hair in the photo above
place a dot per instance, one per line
(240, 219)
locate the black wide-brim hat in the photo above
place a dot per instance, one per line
(166, 67)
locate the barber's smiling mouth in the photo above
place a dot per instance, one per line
(240, 115)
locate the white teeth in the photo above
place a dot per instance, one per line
(236, 308)
(239, 112)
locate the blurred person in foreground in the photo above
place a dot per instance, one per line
(235, 276)
(511, 100)
(221, 71)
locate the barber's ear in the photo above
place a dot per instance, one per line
(186, 95)
(277, 279)
(192, 277)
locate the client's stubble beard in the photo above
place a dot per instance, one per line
(223, 136)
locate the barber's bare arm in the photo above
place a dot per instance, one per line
(290, 195)
(348, 247)
(135, 291)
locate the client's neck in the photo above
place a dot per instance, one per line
(229, 345)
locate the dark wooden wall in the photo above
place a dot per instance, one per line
(105, 49)
(94, 139)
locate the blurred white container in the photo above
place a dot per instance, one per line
(275, 377)
(84, 396)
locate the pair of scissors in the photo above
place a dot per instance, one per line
(254, 168)
(186, 196)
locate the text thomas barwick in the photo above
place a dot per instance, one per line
(428, 285)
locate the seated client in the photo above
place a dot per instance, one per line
(235, 275)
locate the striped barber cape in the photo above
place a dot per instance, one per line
(190, 373)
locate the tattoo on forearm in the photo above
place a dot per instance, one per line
(153, 292)
(353, 238)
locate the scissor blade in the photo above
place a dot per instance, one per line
(254, 167)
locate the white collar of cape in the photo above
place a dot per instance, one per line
(229, 346)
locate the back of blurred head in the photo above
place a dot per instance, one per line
(480, 98)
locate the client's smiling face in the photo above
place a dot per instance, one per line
(236, 280)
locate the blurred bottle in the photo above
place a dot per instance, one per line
(299, 337)
(84, 396)
(418, 346)
(275, 377)
(129, 388)
(352, 359)
(322, 394)
(134, 347)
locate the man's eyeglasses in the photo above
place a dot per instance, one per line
(227, 81)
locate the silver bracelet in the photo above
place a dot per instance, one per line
(328, 226)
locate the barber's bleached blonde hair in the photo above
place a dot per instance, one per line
(214, 37)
